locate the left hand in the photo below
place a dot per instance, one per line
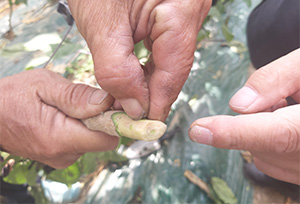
(273, 138)
(40, 118)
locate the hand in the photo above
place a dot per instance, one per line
(169, 29)
(39, 118)
(272, 137)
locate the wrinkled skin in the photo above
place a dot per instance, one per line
(268, 128)
(169, 29)
(39, 118)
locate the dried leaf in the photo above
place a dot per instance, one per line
(197, 181)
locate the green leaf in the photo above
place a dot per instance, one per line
(226, 33)
(220, 6)
(112, 156)
(23, 172)
(89, 163)
(214, 196)
(203, 34)
(125, 141)
(214, 12)
(223, 191)
(67, 176)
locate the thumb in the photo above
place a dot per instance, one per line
(269, 85)
(76, 100)
(276, 132)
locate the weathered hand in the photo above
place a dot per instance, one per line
(169, 29)
(39, 118)
(272, 137)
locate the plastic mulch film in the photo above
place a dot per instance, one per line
(219, 71)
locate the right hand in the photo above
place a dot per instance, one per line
(39, 118)
(169, 29)
(273, 138)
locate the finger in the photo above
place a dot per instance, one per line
(173, 40)
(76, 100)
(296, 97)
(276, 132)
(289, 161)
(117, 105)
(279, 173)
(268, 85)
(117, 69)
(63, 139)
(281, 104)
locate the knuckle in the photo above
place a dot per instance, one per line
(288, 140)
(73, 93)
(268, 76)
(226, 137)
(40, 78)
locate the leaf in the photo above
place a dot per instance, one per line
(23, 172)
(220, 6)
(214, 12)
(202, 35)
(197, 181)
(112, 156)
(89, 163)
(214, 196)
(124, 141)
(223, 191)
(226, 33)
(67, 176)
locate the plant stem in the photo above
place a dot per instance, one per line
(118, 123)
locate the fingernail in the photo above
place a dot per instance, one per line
(133, 108)
(243, 98)
(201, 135)
(97, 97)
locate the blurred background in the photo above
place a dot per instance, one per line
(32, 30)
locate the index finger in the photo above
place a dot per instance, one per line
(277, 132)
(174, 36)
